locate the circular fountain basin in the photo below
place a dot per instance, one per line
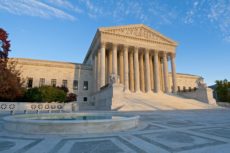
(69, 123)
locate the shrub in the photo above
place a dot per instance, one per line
(45, 94)
(50, 94)
(223, 90)
(71, 97)
(65, 89)
(33, 95)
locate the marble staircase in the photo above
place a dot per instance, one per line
(153, 101)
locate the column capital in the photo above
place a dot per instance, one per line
(136, 49)
(147, 49)
(165, 54)
(172, 55)
(126, 46)
(115, 45)
(102, 45)
(155, 52)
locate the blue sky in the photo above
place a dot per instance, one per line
(62, 30)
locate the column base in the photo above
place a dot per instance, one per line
(127, 91)
(149, 92)
(138, 92)
(158, 92)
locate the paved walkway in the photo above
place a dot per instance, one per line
(188, 131)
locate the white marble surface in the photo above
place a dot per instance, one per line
(162, 131)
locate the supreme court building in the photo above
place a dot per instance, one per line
(121, 60)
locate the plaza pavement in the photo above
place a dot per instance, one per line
(183, 131)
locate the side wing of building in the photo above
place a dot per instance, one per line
(76, 77)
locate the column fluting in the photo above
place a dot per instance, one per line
(151, 71)
(165, 67)
(102, 64)
(126, 69)
(131, 72)
(115, 59)
(173, 67)
(142, 72)
(156, 73)
(121, 66)
(136, 70)
(147, 71)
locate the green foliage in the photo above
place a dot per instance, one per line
(65, 89)
(33, 95)
(223, 90)
(45, 94)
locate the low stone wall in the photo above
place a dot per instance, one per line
(31, 123)
(103, 99)
(201, 94)
(25, 107)
(224, 104)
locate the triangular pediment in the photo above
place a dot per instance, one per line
(138, 31)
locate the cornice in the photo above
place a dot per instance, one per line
(56, 64)
(183, 75)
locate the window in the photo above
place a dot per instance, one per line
(30, 83)
(75, 84)
(85, 85)
(64, 83)
(85, 99)
(53, 82)
(42, 82)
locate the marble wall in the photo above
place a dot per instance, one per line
(60, 71)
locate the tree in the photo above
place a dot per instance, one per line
(223, 90)
(10, 82)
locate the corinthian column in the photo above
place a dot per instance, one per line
(121, 66)
(110, 63)
(98, 69)
(165, 65)
(136, 70)
(173, 67)
(95, 72)
(102, 64)
(126, 69)
(142, 73)
(131, 73)
(115, 59)
(151, 71)
(147, 71)
(156, 73)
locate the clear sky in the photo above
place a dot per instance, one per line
(62, 30)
